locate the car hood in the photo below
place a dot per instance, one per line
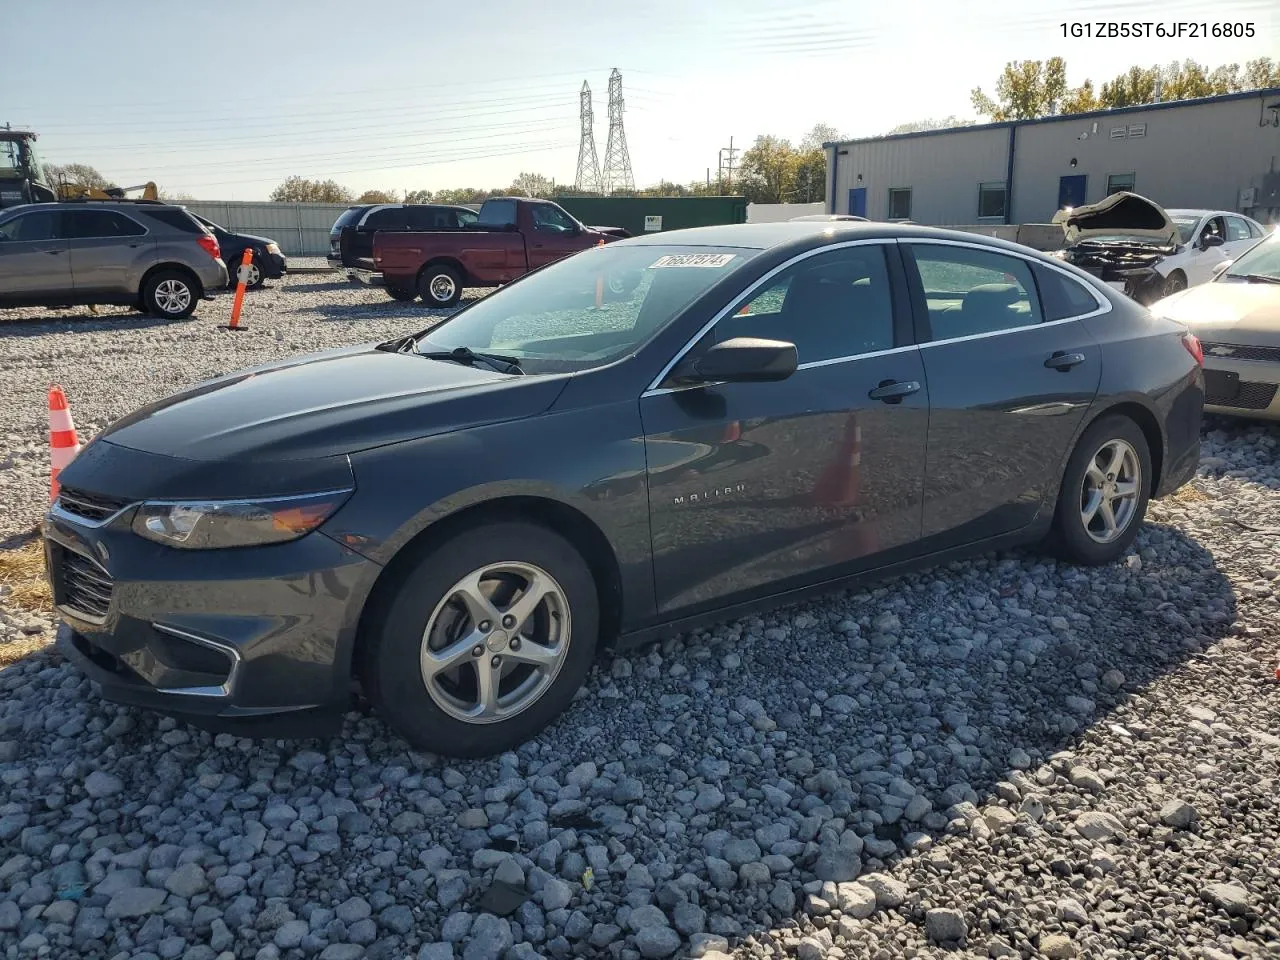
(1227, 312)
(327, 404)
(248, 238)
(1122, 217)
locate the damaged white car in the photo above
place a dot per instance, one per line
(1135, 245)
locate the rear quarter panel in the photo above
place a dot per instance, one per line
(1145, 363)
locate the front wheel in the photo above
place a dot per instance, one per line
(1104, 493)
(440, 286)
(485, 641)
(170, 294)
(1176, 282)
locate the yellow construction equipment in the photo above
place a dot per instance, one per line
(149, 192)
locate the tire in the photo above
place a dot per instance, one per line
(429, 709)
(1176, 282)
(398, 293)
(1073, 539)
(440, 286)
(171, 294)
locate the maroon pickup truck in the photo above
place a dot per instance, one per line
(511, 237)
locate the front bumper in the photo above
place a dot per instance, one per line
(228, 634)
(1241, 388)
(273, 265)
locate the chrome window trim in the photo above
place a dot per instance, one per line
(223, 690)
(654, 390)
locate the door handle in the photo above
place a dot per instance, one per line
(892, 391)
(1061, 360)
(53, 253)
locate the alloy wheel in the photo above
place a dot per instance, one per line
(172, 296)
(496, 641)
(1110, 491)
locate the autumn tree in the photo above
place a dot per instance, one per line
(377, 196)
(767, 170)
(418, 196)
(71, 178)
(531, 185)
(1025, 90)
(302, 190)
(1261, 74)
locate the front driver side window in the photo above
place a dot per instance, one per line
(833, 305)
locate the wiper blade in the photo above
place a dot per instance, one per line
(1257, 277)
(467, 356)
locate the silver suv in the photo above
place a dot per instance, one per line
(150, 255)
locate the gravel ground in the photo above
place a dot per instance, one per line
(1000, 757)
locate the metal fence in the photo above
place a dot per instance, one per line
(301, 229)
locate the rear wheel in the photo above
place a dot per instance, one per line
(399, 293)
(169, 293)
(485, 641)
(1104, 493)
(440, 286)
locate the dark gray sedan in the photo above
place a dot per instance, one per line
(459, 519)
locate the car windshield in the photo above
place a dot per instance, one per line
(347, 218)
(1186, 227)
(589, 309)
(1260, 260)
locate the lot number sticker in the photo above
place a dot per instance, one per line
(693, 260)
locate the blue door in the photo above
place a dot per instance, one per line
(858, 201)
(1071, 191)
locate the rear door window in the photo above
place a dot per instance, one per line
(99, 224)
(971, 292)
(389, 219)
(1237, 229)
(429, 218)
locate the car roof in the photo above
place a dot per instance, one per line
(1194, 212)
(804, 234)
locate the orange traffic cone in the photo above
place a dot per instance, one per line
(63, 442)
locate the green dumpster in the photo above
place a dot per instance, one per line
(650, 214)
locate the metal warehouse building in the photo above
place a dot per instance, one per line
(1217, 152)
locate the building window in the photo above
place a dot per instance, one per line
(899, 203)
(1120, 181)
(991, 200)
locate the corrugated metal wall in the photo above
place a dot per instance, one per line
(1193, 155)
(301, 229)
(942, 172)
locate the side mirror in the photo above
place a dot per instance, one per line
(740, 360)
(1210, 240)
(1221, 268)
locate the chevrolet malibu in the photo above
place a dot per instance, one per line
(458, 519)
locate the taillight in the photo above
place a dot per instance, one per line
(1194, 347)
(210, 244)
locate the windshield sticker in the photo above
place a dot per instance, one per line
(693, 260)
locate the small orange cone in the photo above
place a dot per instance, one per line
(63, 442)
(238, 302)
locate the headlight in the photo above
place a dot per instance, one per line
(273, 248)
(214, 524)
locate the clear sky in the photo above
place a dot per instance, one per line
(225, 100)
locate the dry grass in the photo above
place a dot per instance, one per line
(22, 570)
(1190, 494)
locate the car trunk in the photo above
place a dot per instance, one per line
(1120, 240)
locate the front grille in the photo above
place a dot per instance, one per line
(1251, 395)
(1238, 351)
(91, 506)
(85, 586)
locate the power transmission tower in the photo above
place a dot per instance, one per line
(588, 177)
(617, 159)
